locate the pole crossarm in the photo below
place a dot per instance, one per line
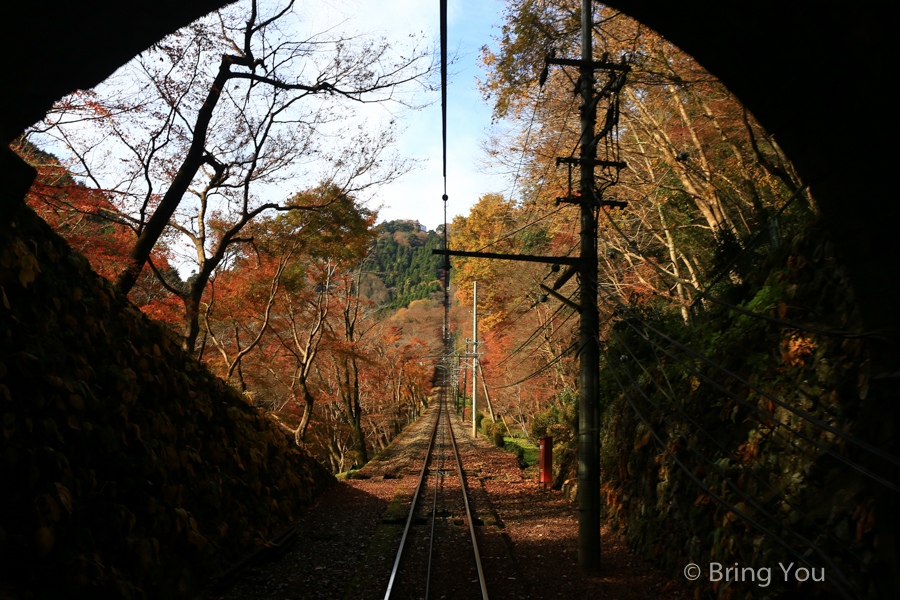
(560, 260)
(590, 64)
(561, 298)
(566, 276)
(594, 202)
(590, 162)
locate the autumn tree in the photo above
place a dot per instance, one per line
(701, 177)
(193, 139)
(702, 180)
(270, 308)
(85, 217)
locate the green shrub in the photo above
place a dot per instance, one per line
(542, 422)
(497, 431)
(479, 417)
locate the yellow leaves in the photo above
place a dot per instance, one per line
(795, 348)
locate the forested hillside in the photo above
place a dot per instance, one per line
(404, 263)
(302, 321)
(159, 427)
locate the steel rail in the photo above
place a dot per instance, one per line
(462, 484)
(412, 507)
(437, 475)
(444, 426)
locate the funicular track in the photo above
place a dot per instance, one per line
(440, 503)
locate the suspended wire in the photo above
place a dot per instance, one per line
(540, 370)
(525, 145)
(522, 346)
(758, 410)
(727, 268)
(623, 370)
(719, 499)
(620, 342)
(515, 231)
(444, 92)
(509, 321)
(542, 179)
(798, 412)
(724, 477)
(445, 334)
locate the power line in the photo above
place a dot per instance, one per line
(515, 231)
(542, 178)
(719, 499)
(620, 341)
(533, 334)
(540, 370)
(759, 411)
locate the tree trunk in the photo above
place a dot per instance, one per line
(309, 401)
(180, 183)
(354, 412)
(670, 244)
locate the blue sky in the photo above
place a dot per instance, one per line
(418, 194)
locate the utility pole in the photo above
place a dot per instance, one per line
(589, 199)
(465, 382)
(474, 352)
(588, 456)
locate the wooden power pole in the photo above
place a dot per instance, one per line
(474, 353)
(589, 200)
(588, 453)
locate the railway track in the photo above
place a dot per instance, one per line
(440, 504)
